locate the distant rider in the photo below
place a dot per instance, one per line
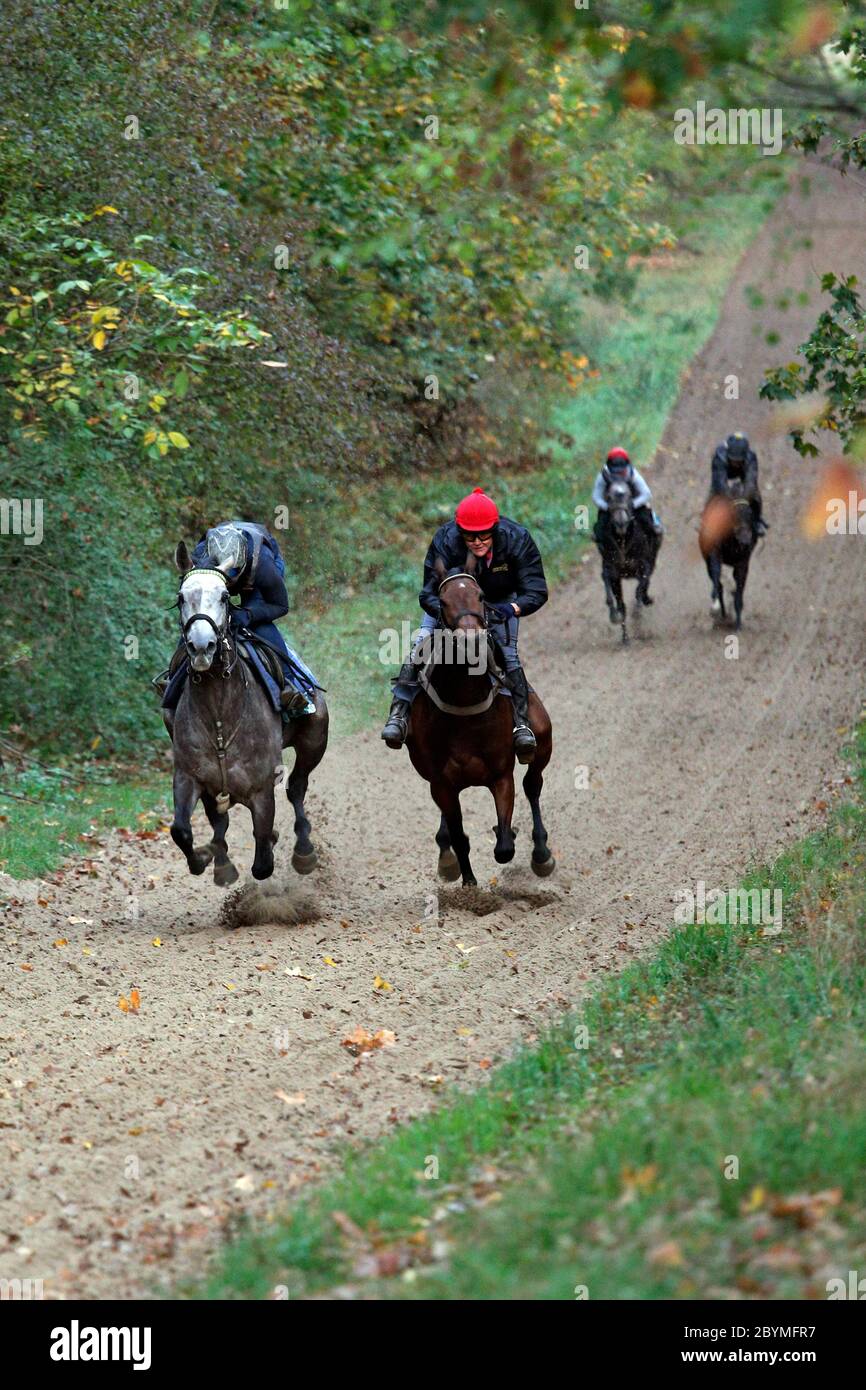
(511, 577)
(618, 467)
(734, 459)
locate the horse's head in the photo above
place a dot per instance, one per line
(460, 598)
(203, 601)
(620, 505)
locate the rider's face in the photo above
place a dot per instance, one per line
(478, 543)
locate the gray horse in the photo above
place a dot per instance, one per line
(228, 740)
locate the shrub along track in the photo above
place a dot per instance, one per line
(129, 1139)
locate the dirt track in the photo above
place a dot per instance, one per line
(124, 1136)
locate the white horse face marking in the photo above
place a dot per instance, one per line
(203, 592)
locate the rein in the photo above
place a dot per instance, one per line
(227, 653)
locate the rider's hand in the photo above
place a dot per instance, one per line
(240, 617)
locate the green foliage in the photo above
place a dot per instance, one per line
(102, 340)
(441, 196)
(834, 370)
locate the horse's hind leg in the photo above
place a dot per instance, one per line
(543, 862)
(186, 794)
(503, 795)
(263, 810)
(448, 867)
(448, 801)
(309, 743)
(714, 570)
(224, 871)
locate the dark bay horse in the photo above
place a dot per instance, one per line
(727, 537)
(228, 740)
(459, 738)
(626, 553)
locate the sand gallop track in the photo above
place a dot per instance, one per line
(127, 1139)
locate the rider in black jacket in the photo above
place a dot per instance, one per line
(510, 574)
(734, 459)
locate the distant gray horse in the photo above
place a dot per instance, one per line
(228, 738)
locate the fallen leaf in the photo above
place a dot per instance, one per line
(246, 1183)
(362, 1041)
(379, 983)
(297, 1099)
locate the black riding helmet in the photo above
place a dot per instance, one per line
(737, 447)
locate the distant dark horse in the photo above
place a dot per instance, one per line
(728, 537)
(627, 553)
(460, 734)
(227, 738)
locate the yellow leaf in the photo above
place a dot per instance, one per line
(99, 339)
(379, 983)
(105, 208)
(157, 941)
(179, 440)
(328, 961)
(149, 437)
(61, 941)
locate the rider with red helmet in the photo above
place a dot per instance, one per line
(618, 466)
(510, 574)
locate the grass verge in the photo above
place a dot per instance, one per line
(708, 1140)
(47, 815)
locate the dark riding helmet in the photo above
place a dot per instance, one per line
(617, 461)
(737, 447)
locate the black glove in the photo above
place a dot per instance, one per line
(240, 617)
(504, 609)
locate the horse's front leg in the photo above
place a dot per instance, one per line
(448, 801)
(263, 810)
(503, 796)
(741, 574)
(448, 867)
(224, 871)
(714, 570)
(607, 578)
(186, 794)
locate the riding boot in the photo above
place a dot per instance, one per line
(292, 702)
(524, 738)
(397, 725)
(160, 683)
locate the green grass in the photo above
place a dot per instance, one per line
(52, 814)
(605, 1165)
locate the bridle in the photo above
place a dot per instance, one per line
(226, 650)
(465, 612)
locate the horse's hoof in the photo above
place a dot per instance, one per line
(470, 882)
(224, 875)
(503, 856)
(261, 871)
(305, 863)
(199, 860)
(449, 867)
(543, 868)
(612, 616)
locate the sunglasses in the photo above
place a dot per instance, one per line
(477, 535)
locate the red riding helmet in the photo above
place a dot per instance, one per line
(477, 512)
(618, 458)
